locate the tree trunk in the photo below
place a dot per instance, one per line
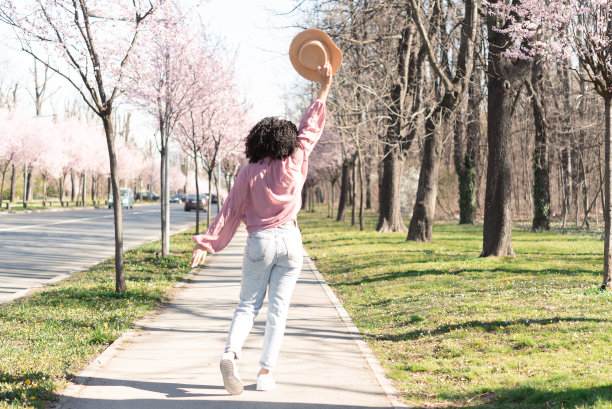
(354, 191)
(120, 285)
(164, 199)
(541, 167)
(344, 190)
(217, 187)
(361, 191)
(25, 186)
(369, 169)
(197, 197)
(2, 187)
(331, 205)
(209, 171)
(329, 202)
(585, 194)
(44, 195)
(566, 172)
(61, 190)
(505, 78)
(30, 189)
(423, 214)
(304, 198)
(389, 206)
(466, 162)
(311, 199)
(84, 189)
(73, 185)
(607, 274)
(93, 189)
(575, 180)
(13, 175)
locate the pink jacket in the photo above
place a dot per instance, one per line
(268, 193)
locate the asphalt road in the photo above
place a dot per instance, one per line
(39, 248)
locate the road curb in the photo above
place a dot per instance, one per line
(373, 362)
(64, 209)
(50, 209)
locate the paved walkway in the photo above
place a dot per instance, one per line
(172, 362)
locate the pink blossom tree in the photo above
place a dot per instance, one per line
(170, 74)
(176, 179)
(50, 162)
(150, 172)
(97, 165)
(579, 34)
(212, 126)
(89, 43)
(226, 129)
(27, 134)
(191, 138)
(131, 162)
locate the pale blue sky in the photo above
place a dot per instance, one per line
(262, 40)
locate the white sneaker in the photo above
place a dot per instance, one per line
(265, 382)
(229, 370)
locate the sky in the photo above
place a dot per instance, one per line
(258, 31)
(262, 40)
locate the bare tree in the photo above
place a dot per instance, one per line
(506, 78)
(455, 87)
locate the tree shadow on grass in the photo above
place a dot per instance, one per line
(488, 326)
(394, 275)
(526, 397)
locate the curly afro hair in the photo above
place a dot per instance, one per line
(272, 138)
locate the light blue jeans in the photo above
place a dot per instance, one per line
(272, 260)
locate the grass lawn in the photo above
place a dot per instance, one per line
(47, 338)
(455, 330)
(37, 205)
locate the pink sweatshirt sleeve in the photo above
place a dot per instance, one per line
(311, 126)
(223, 228)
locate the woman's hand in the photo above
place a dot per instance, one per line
(198, 256)
(325, 73)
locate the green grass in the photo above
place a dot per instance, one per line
(37, 205)
(455, 330)
(49, 337)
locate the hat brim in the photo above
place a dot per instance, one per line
(334, 53)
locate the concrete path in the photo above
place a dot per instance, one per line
(172, 361)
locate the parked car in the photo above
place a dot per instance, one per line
(127, 198)
(146, 195)
(178, 198)
(190, 202)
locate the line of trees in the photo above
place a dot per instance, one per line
(144, 52)
(501, 95)
(62, 154)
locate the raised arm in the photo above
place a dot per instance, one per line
(313, 121)
(325, 73)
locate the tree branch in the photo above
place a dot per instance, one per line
(428, 46)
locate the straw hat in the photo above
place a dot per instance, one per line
(312, 48)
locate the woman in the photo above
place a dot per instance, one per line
(267, 197)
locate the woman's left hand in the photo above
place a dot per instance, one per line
(198, 256)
